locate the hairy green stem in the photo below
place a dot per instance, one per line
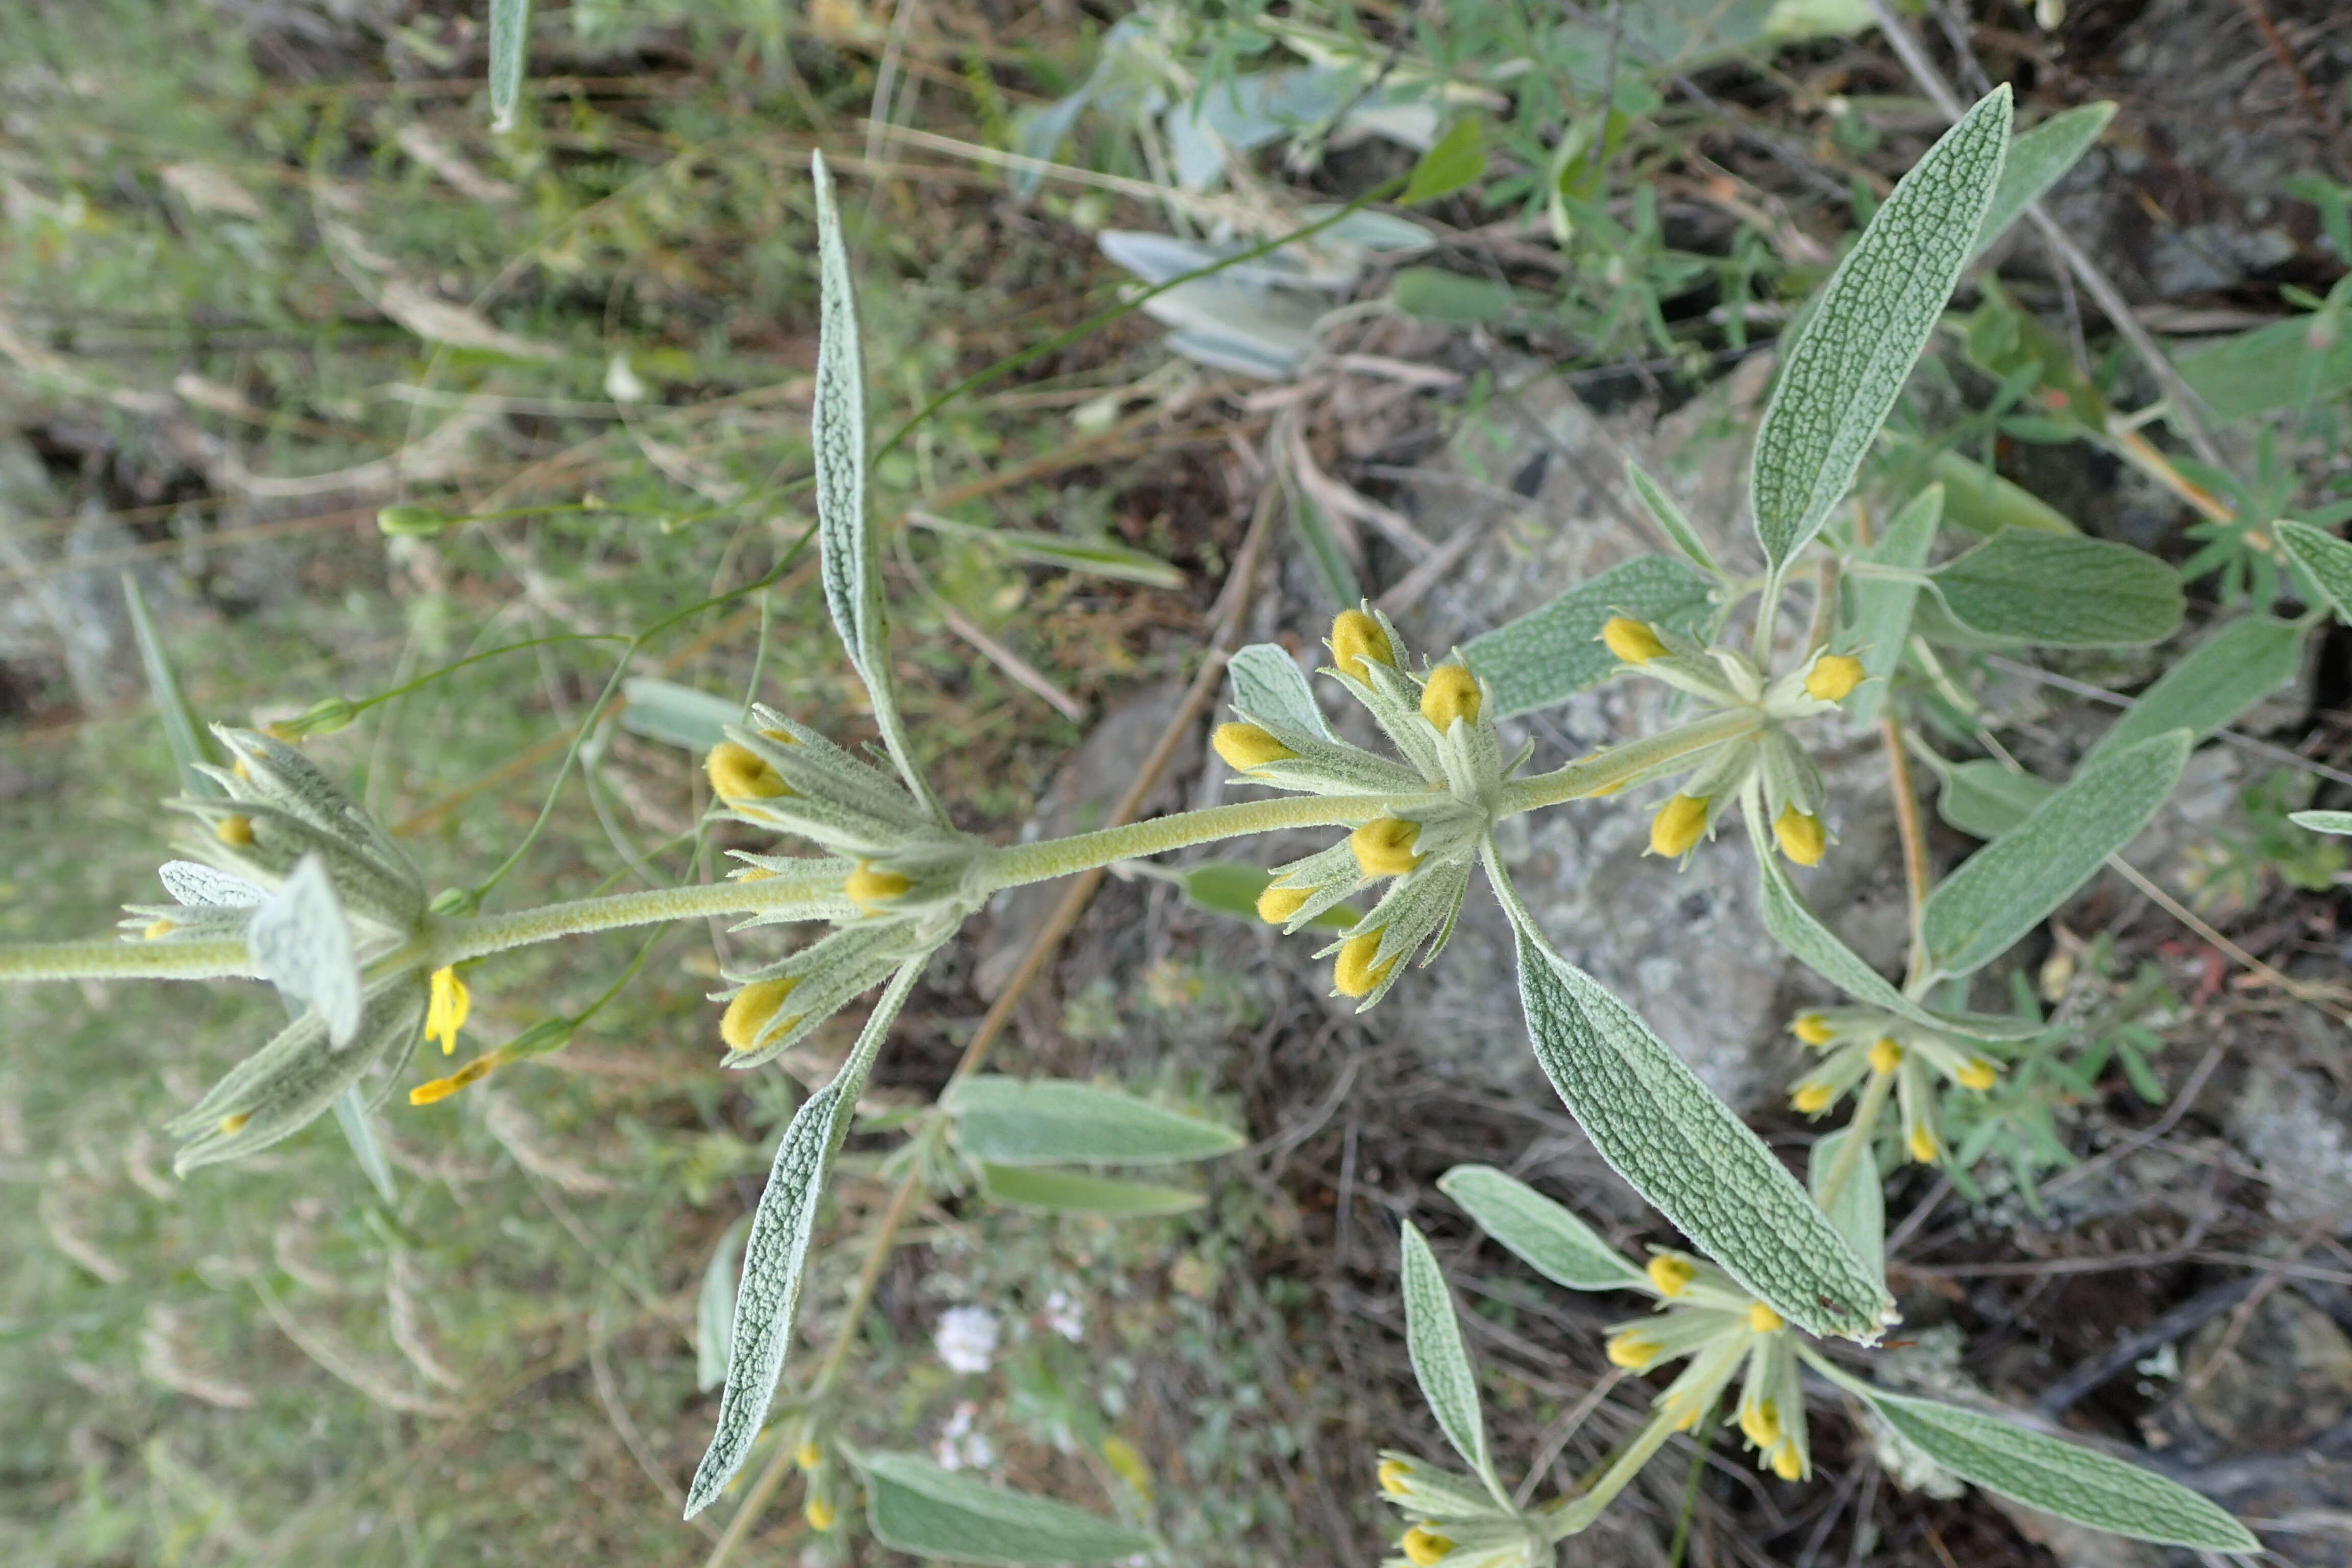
(107, 958)
(1566, 1521)
(1025, 863)
(820, 884)
(1605, 770)
(1859, 1132)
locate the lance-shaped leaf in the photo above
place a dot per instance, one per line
(183, 733)
(351, 1116)
(2323, 821)
(1541, 1234)
(1881, 619)
(913, 1505)
(1440, 1362)
(1686, 1153)
(1098, 557)
(1074, 1191)
(509, 44)
(714, 1309)
(2325, 558)
(776, 1254)
(2060, 1477)
(1549, 655)
(1268, 682)
(1988, 799)
(2220, 677)
(1016, 1121)
(2061, 591)
(1456, 160)
(677, 715)
(1668, 515)
(301, 942)
(2009, 886)
(2037, 161)
(1856, 348)
(1860, 1209)
(849, 554)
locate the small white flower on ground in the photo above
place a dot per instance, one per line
(966, 1338)
(1066, 1316)
(960, 1447)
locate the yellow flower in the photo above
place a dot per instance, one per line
(1670, 1274)
(818, 1512)
(234, 1122)
(1800, 836)
(445, 1008)
(236, 830)
(870, 888)
(1833, 678)
(1885, 1056)
(1246, 746)
(1763, 1320)
(1813, 1099)
(808, 1455)
(738, 773)
(1353, 974)
(1923, 1144)
(1452, 693)
(1635, 1353)
(747, 1016)
(1977, 1073)
(1355, 637)
(1761, 1423)
(1680, 824)
(1814, 1029)
(441, 1088)
(1276, 905)
(1393, 1475)
(1788, 1464)
(1633, 641)
(1423, 1546)
(1384, 846)
(160, 929)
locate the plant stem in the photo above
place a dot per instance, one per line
(1913, 832)
(1021, 864)
(818, 886)
(1859, 1132)
(107, 958)
(1605, 770)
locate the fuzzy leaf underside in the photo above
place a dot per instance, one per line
(2227, 673)
(1549, 655)
(1541, 1234)
(915, 1506)
(1268, 682)
(1440, 1362)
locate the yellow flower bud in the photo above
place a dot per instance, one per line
(1760, 1424)
(1977, 1073)
(1276, 905)
(1814, 1029)
(1246, 746)
(870, 888)
(808, 1455)
(234, 1122)
(1788, 1464)
(236, 830)
(1452, 693)
(441, 1088)
(160, 929)
(1353, 974)
(1680, 824)
(738, 773)
(1763, 1320)
(1355, 637)
(1635, 642)
(818, 1512)
(1885, 1056)
(1384, 846)
(747, 1016)
(1635, 1353)
(1394, 1473)
(1670, 1274)
(1423, 1546)
(1800, 836)
(1833, 678)
(1924, 1147)
(1813, 1099)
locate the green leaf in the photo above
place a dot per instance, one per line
(1230, 887)
(714, 1308)
(1456, 160)
(1440, 1362)
(1880, 623)
(2039, 160)
(2061, 591)
(1069, 1192)
(1540, 1233)
(1987, 799)
(351, 1116)
(509, 42)
(1323, 549)
(1434, 294)
(2269, 368)
(1860, 1213)
(2325, 558)
(183, 731)
(2060, 1477)
(302, 944)
(677, 715)
(1549, 655)
(1097, 557)
(2321, 821)
(2220, 678)
(1977, 499)
(1688, 1154)
(1269, 685)
(913, 1505)
(1668, 516)
(2012, 885)
(1857, 345)
(1043, 1122)
(775, 1256)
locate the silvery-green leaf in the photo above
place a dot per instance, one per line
(1668, 515)
(1440, 1362)
(2060, 1477)
(1323, 551)
(1072, 1192)
(2037, 161)
(1688, 1154)
(2217, 680)
(1261, 331)
(2272, 367)
(351, 1116)
(2325, 558)
(1860, 1212)
(509, 42)
(714, 1309)
(775, 1256)
(198, 885)
(913, 1505)
(1549, 655)
(291, 1082)
(301, 944)
(182, 731)
(1268, 682)
(2323, 821)
(1434, 294)
(1881, 619)
(1540, 1233)
(1987, 799)
(677, 715)
(1977, 499)
(1098, 557)
(2009, 886)
(2061, 591)
(1858, 344)
(1794, 926)
(1045, 1122)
